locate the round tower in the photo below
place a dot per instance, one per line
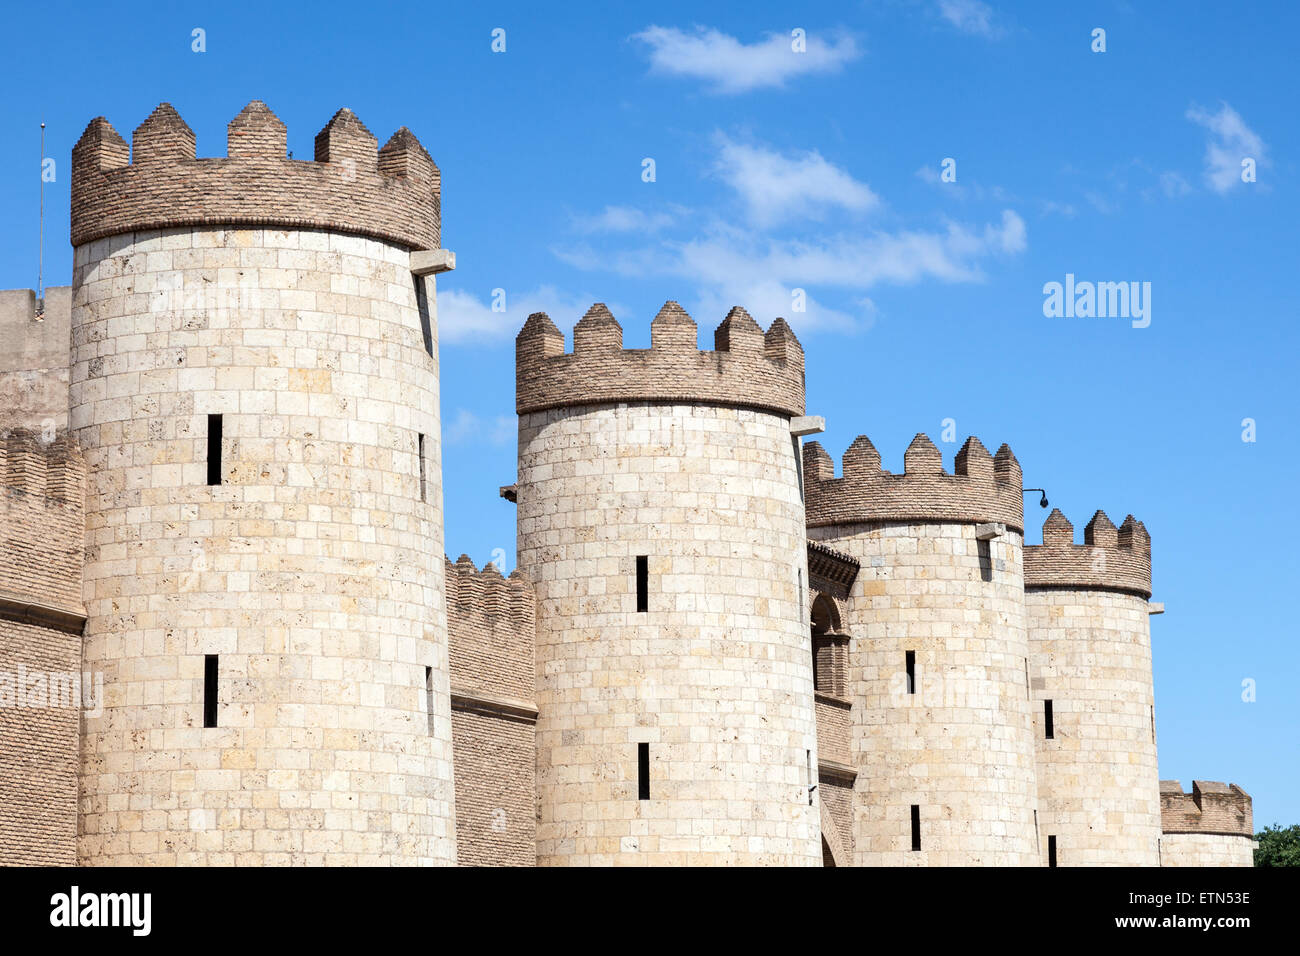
(255, 387)
(660, 522)
(1090, 656)
(941, 731)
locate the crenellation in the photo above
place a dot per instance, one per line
(1110, 558)
(745, 369)
(160, 183)
(980, 490)
(162, 138)
(255, 133)
(1211, 826)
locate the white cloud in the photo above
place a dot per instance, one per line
(970, 16)
(730, 266)
(624, 219)
(1051, 207)
(465, 319)
(1230, 142)
(775, 187)
(735, 67)
(469, 428)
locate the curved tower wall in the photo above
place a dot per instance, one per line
(314, 569)
(940, 577)
(685, 457)
(1090, 654)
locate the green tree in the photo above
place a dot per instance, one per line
(1278, 846)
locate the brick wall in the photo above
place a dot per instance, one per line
(41, 526)
(392, 194)
(491, 633)
(748, 367)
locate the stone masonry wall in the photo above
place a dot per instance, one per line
(1098, 789)
(716, 676)
(961, 746)
(307, 570)
(1206, 849)
(34, 360)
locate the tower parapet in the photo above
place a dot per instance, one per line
(1110, 558)
(982, 488)
(1211, 807)
(1211, 826)
(391, 193)
(748, 368)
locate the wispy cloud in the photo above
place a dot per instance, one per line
(1050, 207)
(970, 16)
(730, 266)
(962, 190)
(466, 319)
(469, 428)
(775, 188)
(1231, 141)
(626, 219)
(730, 66)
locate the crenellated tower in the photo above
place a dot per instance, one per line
(937, 670)
(254, 383)
(660, 522)
(1094, 700)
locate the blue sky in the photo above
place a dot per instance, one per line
(820, 171)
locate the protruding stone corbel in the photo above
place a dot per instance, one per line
(807, 425)
(430, 262)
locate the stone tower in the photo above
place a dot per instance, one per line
(254, 384)
(937, 669)
(1090, 656)
(660, 522)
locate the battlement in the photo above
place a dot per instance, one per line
(747, 368)
(490, 621)
(391, 193)
(51, 471)
(1110, 558)
(983, 487)
(1211, 807)
(42, 519)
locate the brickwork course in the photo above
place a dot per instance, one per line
(714, 650)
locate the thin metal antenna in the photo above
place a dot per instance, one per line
(40, 256)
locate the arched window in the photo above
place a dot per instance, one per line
(829, 647)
